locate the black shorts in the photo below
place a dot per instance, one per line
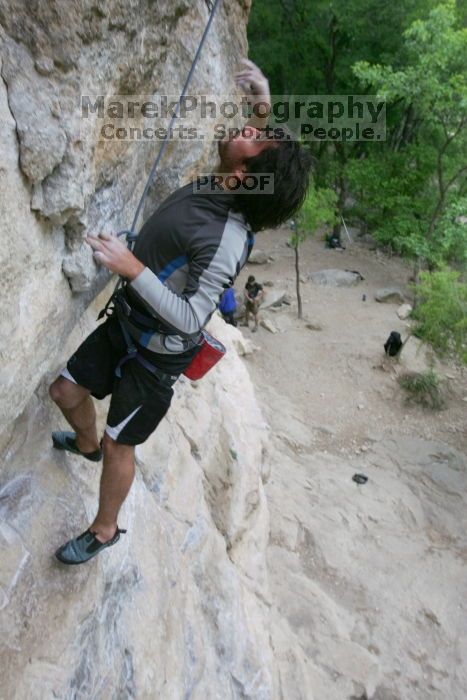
(139, 399)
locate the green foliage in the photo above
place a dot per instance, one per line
(450, 243)
(432, 87)
(319, 209)
(391, 197)
(423, 388)
(309, 46)
(433, 78)
(410, 190)
(395, 201)
(441, 312)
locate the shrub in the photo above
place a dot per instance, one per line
(423, 388)
(441, 312)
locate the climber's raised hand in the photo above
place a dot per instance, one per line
(113, 254)
(255, 85)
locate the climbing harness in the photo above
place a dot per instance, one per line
(211, 350)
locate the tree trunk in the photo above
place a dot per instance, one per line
(340, 186)
(297, 280)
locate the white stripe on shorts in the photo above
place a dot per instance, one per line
(65, 373)
(115, 431)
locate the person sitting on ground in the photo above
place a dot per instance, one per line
(254, 294)
(187, 252)
(228, 306)
(333, 240)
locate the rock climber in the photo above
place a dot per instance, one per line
(254, 294)
(187, 252)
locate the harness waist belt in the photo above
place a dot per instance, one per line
(133, 354)
(148, 332)
(132, 314)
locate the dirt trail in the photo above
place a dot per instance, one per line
(331, 378)
(369, 582)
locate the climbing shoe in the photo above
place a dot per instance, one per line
(65, 440)
(84, 547)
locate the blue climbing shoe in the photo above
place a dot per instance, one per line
(84, 547)
(66, 440)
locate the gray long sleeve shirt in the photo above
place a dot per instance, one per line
(193, 246)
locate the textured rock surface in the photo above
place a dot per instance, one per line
(269, 325)
(345, 592)
(179, 608)
(57, 182)
(369, 581)
(335, 278)
(417, 356)
(273, 297)
(258, 257)
(404, 311)
(389, 295)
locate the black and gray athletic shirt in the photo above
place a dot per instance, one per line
(193, 246)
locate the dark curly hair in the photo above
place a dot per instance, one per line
(290, 164)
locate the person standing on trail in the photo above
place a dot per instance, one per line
(254, 294)
(187, 252)
(228, 306)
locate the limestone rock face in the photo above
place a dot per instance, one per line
(58, 181)
(180, 606)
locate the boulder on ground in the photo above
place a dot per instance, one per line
(269, 325)
(335, 278)
(404, 311)
(389, 295)
(258, 257)
(273, 297)
(417, 356)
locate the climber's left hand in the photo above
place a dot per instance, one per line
(113, 254)
(256, 86)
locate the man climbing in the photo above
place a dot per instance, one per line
(254, 294)
(190, 250)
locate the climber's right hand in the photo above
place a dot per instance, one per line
(113, 254)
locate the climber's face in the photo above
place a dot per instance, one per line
(235, 149)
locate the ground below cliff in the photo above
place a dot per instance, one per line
(369, 581)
